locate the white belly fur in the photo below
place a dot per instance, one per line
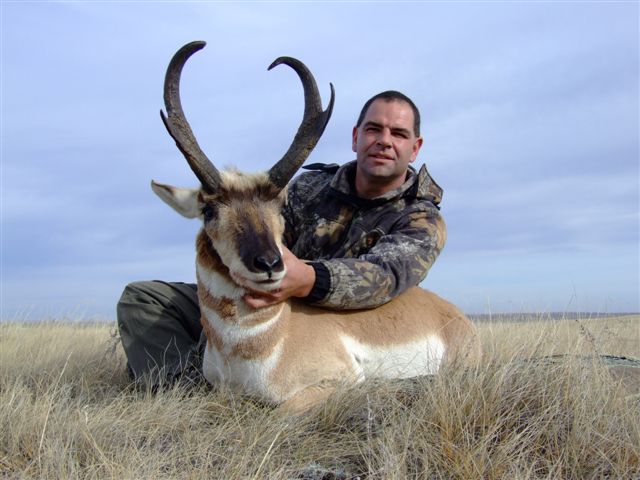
(422, 357)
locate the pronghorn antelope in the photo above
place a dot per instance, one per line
(290, 353)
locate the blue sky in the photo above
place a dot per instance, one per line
(530, 120)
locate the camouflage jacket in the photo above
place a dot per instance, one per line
(364, 251)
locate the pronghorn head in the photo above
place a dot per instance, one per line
(240, 212)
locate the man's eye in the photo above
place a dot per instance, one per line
(208, 212)
(400, 133)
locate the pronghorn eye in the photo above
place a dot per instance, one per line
(208, 212)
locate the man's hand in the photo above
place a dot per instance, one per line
(298, 282)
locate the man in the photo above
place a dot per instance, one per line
(357, 236)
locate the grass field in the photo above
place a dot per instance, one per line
(68, 410)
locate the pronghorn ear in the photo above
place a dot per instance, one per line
(182, 200)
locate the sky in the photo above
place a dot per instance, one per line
(529, 117)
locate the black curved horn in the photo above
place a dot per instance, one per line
(313, 124)
(177, 124)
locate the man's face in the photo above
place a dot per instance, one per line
(385, 144)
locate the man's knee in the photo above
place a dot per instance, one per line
(136, 297)
(139, 292)
(132, 312)
(152, 306)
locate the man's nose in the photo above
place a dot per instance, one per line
(384, 138)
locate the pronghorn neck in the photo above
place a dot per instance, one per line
(213, 275)
(225, 316)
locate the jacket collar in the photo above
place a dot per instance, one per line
(418, 185)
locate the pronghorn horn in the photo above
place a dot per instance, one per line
(311, 128)
(177, 124)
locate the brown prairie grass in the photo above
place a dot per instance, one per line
(68, 410)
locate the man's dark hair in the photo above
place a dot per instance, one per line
(391, 95)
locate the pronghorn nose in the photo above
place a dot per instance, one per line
(267, 263)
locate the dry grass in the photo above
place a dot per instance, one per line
(68, 410)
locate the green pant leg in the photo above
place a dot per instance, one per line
(160, 328)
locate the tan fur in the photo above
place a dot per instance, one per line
(410, 316)
(293, 354)
(207, 256)
(260, 316)
(213, 339)
(259, 346)
(235, 180)
(224, 307)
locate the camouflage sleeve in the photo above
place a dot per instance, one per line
(398, 261)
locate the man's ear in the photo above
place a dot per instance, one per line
(416, 148)
(182, 200)
(354, 139)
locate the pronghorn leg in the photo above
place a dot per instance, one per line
(306, 399)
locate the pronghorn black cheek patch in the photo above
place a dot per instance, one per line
(208, 256)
